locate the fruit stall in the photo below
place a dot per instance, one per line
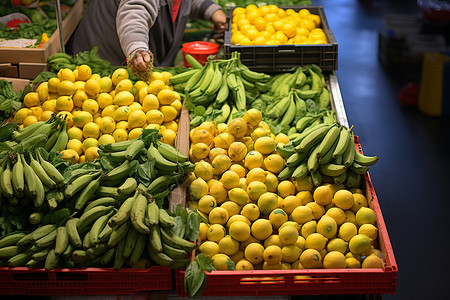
(235, 174)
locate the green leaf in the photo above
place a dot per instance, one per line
(205, 262)
(43, 77)
(199, 110)
(194, 278)
(193, 226)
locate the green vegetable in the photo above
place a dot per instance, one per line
(10, 100)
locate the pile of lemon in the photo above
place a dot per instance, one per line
(102, 110)
(271, 25)
(256, 221)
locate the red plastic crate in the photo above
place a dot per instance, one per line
(310, 281)
(89, 281)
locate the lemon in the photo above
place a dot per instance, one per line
(107, 125)
(120, 135)
(337, 244)
(277, 217)
(273, 239)
(334, 260)
(29, 120)
(169, 112)
(91, 130)
(372, 261)
(254, 253)
(243, 265)
(222, 262)
(118, 75)
(352, 263)
(79, 97)
(323, 194)
(290, 203)
(91, 153)
(218, 215)
(198, 188)
(91, 106)
(106, 139)
(42, 91)
(150, 102)
(267, 202)
(89, 142)
(46, 115)
(274, 163)
(21, 114)
(92, 88)
(256, 174)
(308, 228)
(122, 113)
(200, 150)
(271, 182)
(282, 138)
(215, 152)
(136, 119)
(221, 163)
(206, 203)
(251, 211)
(253, 159)
(272, 255)
(70, 155)
(337, 214)
(84, 72)
(238, 195)
(360, 201)
(343, 199)
(156, 86)
(123, 98)
(255, 189)
(239, 231)
(66, 88)
(232, 208)
(237, 217)
(301, 241)
(36, 111)
(261, 229)
(109, 111)
(304, 184)
(318, 210)
(259, 132)
(359, 244)
(347, 230)
(288, 235)
(166, 97)
(154, 116)
(67, 116)
(223, 140)
(237, 151)
(203, 170)
(291, 253)
(286, 188)
(53, 84)
(327, 226)
(219, 192)
(302, 214)
(64, 103)
(209, 248)
(172, 125)
(76, 145)
(369, 230)
(238, 169)
(125, 85)
(203, 230)
(177, 104)
(316, 241)
(311, 259)
(237, 127)
(365, 215)
(105, 85)
(252, 117)
(216, 232)
(82, 118)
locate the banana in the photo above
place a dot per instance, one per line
(98, 227)
(20, 259)
(134, 149)
(316, 177)
(232, 82)
(87, 193)
(118, 157)
(171, 239)
(301, 171)
(58, 55)
(226, 110)
(286, 173)
(138, 249)
(300, 80)
(72, 231)
(165, 220)
(286, 150)
(353, 179)
(96, 250)
(78, 184)
(162, 182)
(80, 256)
(62, 240)
(29, 177)
(350, 152)
(174, 253)
(103, 237)
(128, 186)
(328, 141)
(138, 213)
(41, 255)
(118, 233)
(159, 258)
(91, 215)
(6, 181)
(224, 91)
(26, 131)
(50, 169)
(183, 77)
(160, 161)
(131, 240)
(208, 77)
(313, 161)
(17, 177)
(180, 263)
(116, 147)
(155, 239)
(52, 204)
(332, 170)
(358, 169)
(106, 201)
(86, 241)
(121, 171)
(41, 174)
(253, 76)
(152, 213)
(106, 191)
(52, 140)
(296, 159)
(108, 256)
(194, 80)
(171, 153)
(36, 234)
(313, 138)
(216, 82)
(11, 239)
(289, 115)
(61, 142)
(365, 160)
(343, 143)
(46, 240)
(122, 215)
(119, 260)
(9, 251)
(68, 251)
(340, 178)
(34, 141)
(193, 62)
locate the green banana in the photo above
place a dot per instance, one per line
(138, 249)
(171, 239)
(17, 177)
(333, 170)
(36, 234)
(72, 231)
(224, 91)
(121, 171)
(316, 177)
(116, 147)
(98, 227)
(63, 138)
(6, 181)
(165, 220)
(350, 152)
(119, 260)
(62, 240)
(353, 179)
(87, 193)
(173, 252)
(159, 258)
(137, 214)
(286, 173)
(122, 215)
(365, 160)
(46, 241)
(134, 149)
(50, 169)
(358, 169)
(41, 255)
(183, 77)
(160, 161)
(105, 201)
(313, 161)
(131, 240)
(152, 213)
(313, 138)
(29, 177)
(108, 256)
(9, 251)
(301, 171)
(11, 239)
(128, 186)
(20, 259)
(343, 143)
(162, 182)
(171, 153)
(117, 157)
(286, 150)
(91, 215)
(118, 233)
(79, 183)
(328, 141)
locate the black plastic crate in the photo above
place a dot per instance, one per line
(282, 58)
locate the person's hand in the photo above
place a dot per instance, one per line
(219, 19)
(141, 60)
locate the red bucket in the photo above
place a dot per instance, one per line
(200, 51)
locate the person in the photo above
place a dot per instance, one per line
(143, 32)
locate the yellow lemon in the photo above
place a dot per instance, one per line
(318, 210)
(36, 111)
(156, 76)
(232, 207)
(334, 260)
(216, 232)
(70, 155)
(271, 182)
(223, 140)
(107, 125)
(365, 215)
(238, 196)
(53, 84)
(286, 188)
(84, 72)
(201, 135)
(291, 253)
(200, 150)
(91, 106)
(120, 135)
(92, 88)
(80, 85)
(239, 231)
(215, 152)
(64, 103)
(253, 159)
(359, 244)
(289, 203)
(237, 127)
(347, 230)
(21, 114)
(203, 170)
(156, 86)
(343, 199)
(274, 163)
(91, 130)
(66, 74)
(206, 203)
(302, 214)
(255, 189)
(282, 138)
(305, 197)
(261, 229)
(198, 188)
(368, 229)
(259, 132)
(219, 192)
(166, 97)
(136, 119)
(327, 226)
(240, 170)
(177, 104)
(218, 215)
(76, 145)
(82, 118)
(172, 125)
(311, 259)
(134, 133)
(236, 217)
(288, 235)
(308, 228)
(105, 85)
(360, 201)
(124, 85)
(337, 244)
(29, 120)
(267, 202)
(229, 179)
(277, 217)
(169, 112)
(122, 113)
(118, 75)
(273, 254)
(372, 261)
(106, 139)
(154, 116)
(42, 91)
(251, 211)
(221, 164)
(229, 246)
(150, 102)
(109, 111)
(203, 230)
(222, 262)
(79, 97)
(209, 248)
(323, 194)
(265, 145)
(46, 115)
(254, 253)
(237, 151)
(252, 117)
(316, 241)
(122, 98)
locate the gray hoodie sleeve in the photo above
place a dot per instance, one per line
(133, 19)
(203, 9)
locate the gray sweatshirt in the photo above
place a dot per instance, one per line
(118, 27)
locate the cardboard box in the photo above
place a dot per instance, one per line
(31, 70)
(40, 55)
(8, 70)
(17, 84)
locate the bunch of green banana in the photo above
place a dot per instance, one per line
(60, 60)
(326, 153)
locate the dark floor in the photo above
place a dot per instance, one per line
(411, 178)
